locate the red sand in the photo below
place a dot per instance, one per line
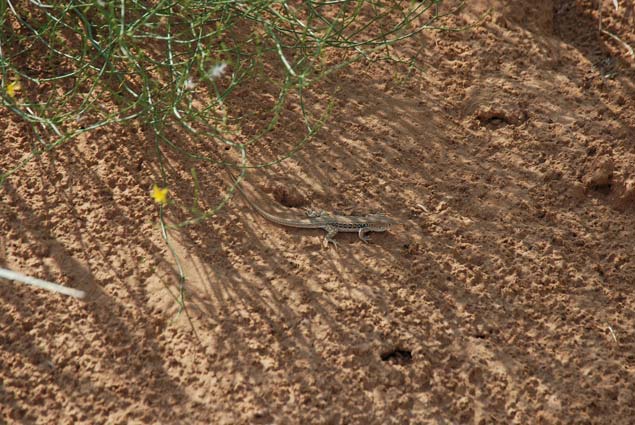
(507, 295)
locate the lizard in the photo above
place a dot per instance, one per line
(332, 224)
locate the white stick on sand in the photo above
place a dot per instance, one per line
(50, 286)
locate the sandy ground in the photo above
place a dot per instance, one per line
(506, 295)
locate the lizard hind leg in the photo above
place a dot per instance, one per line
(331, 231)
(314, 213)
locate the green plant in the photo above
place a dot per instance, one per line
(69, 68)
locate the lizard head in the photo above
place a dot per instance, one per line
(379, 222)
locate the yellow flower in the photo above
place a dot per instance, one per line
(13, 87)
(160, 195)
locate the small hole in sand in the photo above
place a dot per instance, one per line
(398, 355)
(604, 189)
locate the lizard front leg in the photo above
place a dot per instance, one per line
(362, 234)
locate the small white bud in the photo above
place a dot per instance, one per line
(217, 70)
(189, 84)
